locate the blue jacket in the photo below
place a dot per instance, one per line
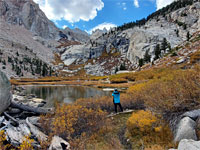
(116, 97)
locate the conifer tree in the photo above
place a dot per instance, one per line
(164, 44)
(141, 62)
(157, 51)
(147, 57)
(188, 36)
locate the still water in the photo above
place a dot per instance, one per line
(66, 94)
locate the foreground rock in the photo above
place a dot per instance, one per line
(18, 118)
(189, 145)
(58, 143)
(194, 114)
(5, 95)
(186, 129)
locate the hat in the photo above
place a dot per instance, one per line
(115, 89)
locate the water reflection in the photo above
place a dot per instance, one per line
(66, 94)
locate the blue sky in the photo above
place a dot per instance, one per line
(89, 15)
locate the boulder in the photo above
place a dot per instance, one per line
(186, 129)
(189, 145)
(194, 114)
(5, 94)
(58, 143)
(15, 135)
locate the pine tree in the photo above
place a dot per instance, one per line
(157, 51)
(147, 57)
(164, 44)
(116, 70)
(141, 62)
(188, 36)
(122, 67)
(169, 47)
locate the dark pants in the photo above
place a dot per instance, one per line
(120, 106)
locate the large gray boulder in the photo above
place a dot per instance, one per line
(186, 130)
(194, 114)
(189, 145)
(5, 94)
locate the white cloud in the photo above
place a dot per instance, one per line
(159, 3)
(122, 5)
(136, 3)
(71, 10)
(106, 25)
(162, 3)
(65, 26)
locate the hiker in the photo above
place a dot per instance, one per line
(116, 99)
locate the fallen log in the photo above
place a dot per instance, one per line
(37, 110)
(36, 132)
(11, 118)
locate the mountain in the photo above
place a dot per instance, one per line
(129, 44)
(31, 45)
(76, 34)
(28, 39)
(28, 14)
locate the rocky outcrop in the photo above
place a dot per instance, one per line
(5, 92)
(189, 145)
(28, 14)
(134, 42)
(186, 129)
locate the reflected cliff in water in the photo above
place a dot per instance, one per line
(66, 94)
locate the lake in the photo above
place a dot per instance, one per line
(63, 93)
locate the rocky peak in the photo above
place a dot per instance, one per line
(76, 34)
(29, 15)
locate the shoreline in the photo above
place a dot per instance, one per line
(101, 84)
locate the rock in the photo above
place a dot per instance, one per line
(36, 132)
(58, 143)
(185, 129)
(108, 89)
(186, 144)
(34, 120)
(5, 92)
(16, 134)
(38, 100)
(33, 104)
(124, 71)
(2, 119)
(181, 60)
(18, 98)
(194, 114)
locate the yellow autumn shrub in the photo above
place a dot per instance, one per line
(74, 121)
(26, 144)
(144, 128)
(141, 122)
(171, 91)
(2, 140)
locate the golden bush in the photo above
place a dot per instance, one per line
(74, 121)
(148, 130)
(171, 91)
(26, 144)
(141, 122)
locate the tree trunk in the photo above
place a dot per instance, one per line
(36, 110)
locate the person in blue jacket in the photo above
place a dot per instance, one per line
(116, 99)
